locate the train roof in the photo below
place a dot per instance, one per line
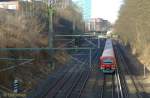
(108, 52)
(108, 49)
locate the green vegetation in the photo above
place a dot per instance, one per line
(133, 26)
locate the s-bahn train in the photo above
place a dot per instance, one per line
(108, 60)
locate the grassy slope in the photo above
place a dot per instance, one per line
(133, 27)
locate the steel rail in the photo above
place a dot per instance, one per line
(53, 79)
(122, 77)
(132, 78)
(63, 81)
(82, 87)
(52, 92)
(74, 80)
(113, 87)
(117, 88)
(48, 95)
(14, 66)
(78, 82)
(119, 84)
(74, 85)
(58, 86)
(70, 84)
(103, 87)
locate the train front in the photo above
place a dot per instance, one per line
(107, 64)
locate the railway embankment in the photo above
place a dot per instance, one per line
(30, 73)
(137, 77)
(133, 28)
(28, 28)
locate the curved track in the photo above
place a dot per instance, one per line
(72, 84)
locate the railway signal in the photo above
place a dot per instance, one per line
(16, 86)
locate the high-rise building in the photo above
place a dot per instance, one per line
(85, 5)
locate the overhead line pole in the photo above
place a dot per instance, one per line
(50, 19)
(98, 42)
(90, 53)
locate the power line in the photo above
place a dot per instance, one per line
(12, 67)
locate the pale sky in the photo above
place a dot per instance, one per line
(106, 9)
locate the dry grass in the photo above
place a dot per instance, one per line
(133, 27)
(19, 30)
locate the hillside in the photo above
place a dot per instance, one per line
(29, 29)
(133, 26)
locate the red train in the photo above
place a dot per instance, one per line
(108, 60)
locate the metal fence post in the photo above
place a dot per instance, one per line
(50, 31)
(98, 43)
(144, 71)
(90, 58)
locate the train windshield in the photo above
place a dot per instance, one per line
(107, 61)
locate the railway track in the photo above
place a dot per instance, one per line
(69, 90)
(92, 88)
(118, 83)
(53, 80)
(135, 82)
(78, 89)
(112, 86)
(125, 69)
(121, 85)
(56, 88)
(70, 83)
(108, 87)
(74, 86)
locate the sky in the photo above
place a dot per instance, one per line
(106, 9)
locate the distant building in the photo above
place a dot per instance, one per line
(99, 25)
(9, 4)
(61, 3)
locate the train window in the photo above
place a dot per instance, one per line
(107, 61)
